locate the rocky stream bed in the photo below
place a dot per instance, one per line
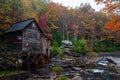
(75, 68)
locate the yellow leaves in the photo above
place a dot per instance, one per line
(34, 15)
(53, 26)
(34, 8)
(102, 38)
(28, 15)
(8, 19)
(28, 12)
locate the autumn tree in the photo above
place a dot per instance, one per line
(110, 5)
(10, 12)
(65, 20)
(54, 12)
(34, 8)
(43, 24)
(81, 22)
(112, 9)
(113, 23)
(75, 22)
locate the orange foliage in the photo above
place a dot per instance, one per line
(54, 11)
(27, 3)
(114, 23)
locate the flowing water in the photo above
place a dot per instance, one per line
(116, 59)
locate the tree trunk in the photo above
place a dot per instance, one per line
(63, 37)
(75, 33)
(67, 33)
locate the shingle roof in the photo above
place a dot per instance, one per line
(19, 26)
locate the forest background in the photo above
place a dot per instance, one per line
(100, 29)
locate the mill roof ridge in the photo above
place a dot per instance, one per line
(19, 25)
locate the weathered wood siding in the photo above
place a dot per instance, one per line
(13, 41)
(45, 45)
(31, 35)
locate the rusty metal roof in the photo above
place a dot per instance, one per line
(19, 26)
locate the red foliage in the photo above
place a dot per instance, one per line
(49, 36)
(81, 31)
(73, 27)
(42, 22)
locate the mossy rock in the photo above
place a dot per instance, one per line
(57, 69)
(92, 54)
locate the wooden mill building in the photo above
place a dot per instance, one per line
(27, 37)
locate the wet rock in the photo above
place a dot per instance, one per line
(102, 68)
(101, 74)
(107, 64)
(103, 63)
(72, 73)
(111, 61)
(95, 71)
(115, 77)
(36, 77)
(53, 75)
(77, 78)
(77, 69)
(87, 76)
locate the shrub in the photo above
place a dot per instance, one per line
(54, 49)
(80, 46)
(77, 49)
(106, 46)
(8, 73)
(62, 77)
(109, 49)
(96, 49)
(61, 52)
(57, 69)
(117, 48)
